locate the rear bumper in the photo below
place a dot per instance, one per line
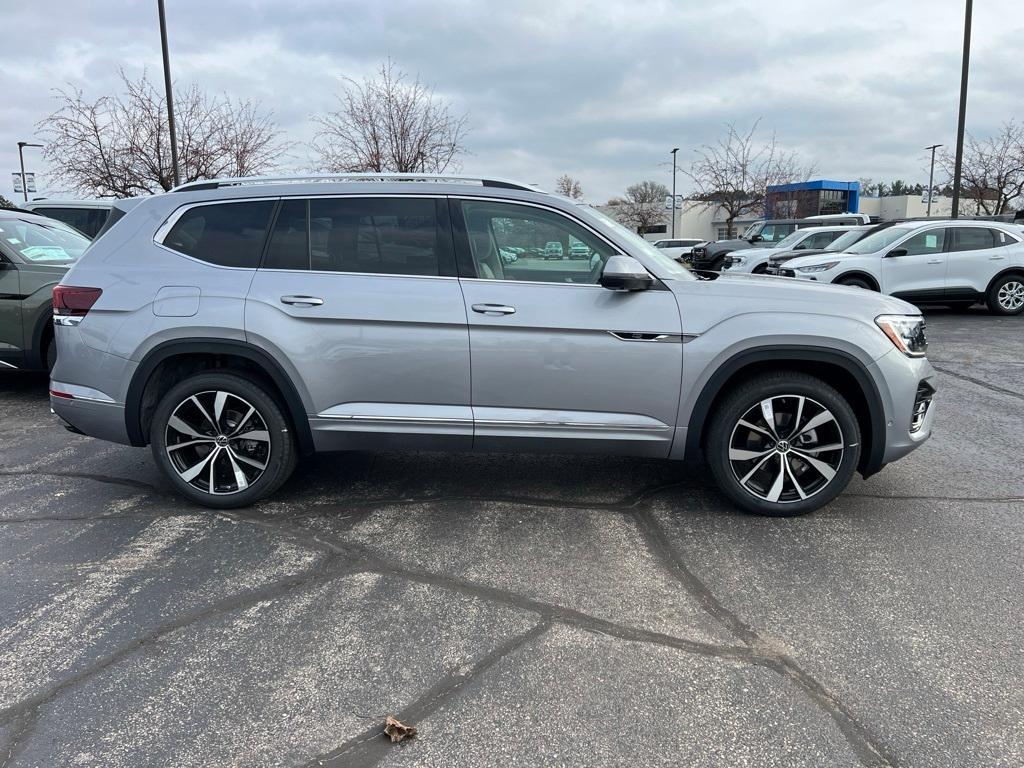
(95, 418)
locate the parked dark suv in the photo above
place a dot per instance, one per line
(35, 252)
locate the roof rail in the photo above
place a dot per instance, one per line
(340, 177)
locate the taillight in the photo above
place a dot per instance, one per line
(72, 303)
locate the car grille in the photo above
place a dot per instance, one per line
(922, 403)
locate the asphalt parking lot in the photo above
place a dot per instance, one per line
(520, 610)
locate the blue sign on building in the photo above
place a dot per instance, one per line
(812, 198)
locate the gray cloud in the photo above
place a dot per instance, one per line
(601, 91)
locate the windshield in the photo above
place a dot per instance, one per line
(845, 240)
(792, 239)
(42, 241)
(879, 240)
(669, 264)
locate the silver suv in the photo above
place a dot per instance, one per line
(235, 325)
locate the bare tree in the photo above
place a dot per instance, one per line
(120, 145)
(5, 203)
(643, 205)
(735, 172)
(390, 125)
(992, 174)
(568, 186)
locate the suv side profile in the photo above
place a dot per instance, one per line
(234, 325)
(956, 263)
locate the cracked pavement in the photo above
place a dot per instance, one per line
(520, 610)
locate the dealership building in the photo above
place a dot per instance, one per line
(789, 201)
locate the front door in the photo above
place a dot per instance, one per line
(359, 296)
(920, 273)
(558, 362)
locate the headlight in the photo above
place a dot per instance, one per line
(817, 267)
(906, 332)
(737, 260)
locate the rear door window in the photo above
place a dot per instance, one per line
(972, 239)
(225, 234)
(384, 235)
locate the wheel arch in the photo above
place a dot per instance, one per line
(1015, 270)
(862, 275)
(192, 356)
(839, 369)
(42, 333)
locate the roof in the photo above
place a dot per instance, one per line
(56, 202)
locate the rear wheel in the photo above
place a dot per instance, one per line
(783, 444)
(222, 441)
(1006, 296)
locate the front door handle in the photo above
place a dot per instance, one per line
(302, 301)
(934, 261)
(494, 309)
(996, 258)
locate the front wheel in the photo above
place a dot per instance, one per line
(783, 444)
(856, 282)
(1006, 296)
(222, 441)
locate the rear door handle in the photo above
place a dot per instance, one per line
(494, 309)
(934, 261)
(302, 301)
(996, 258)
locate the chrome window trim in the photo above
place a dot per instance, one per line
(531, 282)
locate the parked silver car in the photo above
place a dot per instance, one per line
(234, 325)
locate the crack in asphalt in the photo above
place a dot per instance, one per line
(369, 748)
(25, 713)
(978, 382)
(125, 481)
(755, 649)
(764, 653)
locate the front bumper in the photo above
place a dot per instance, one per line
(906, 428)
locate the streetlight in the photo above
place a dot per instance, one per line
(167, 89)
(963, 109)
(674, 191)
(21, 159)
(931, 176)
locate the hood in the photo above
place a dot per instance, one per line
(730, 294)
(786, 255)
(760, 253)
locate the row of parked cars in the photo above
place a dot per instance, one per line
(956, 263)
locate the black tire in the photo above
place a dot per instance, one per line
(856, 282)
(50, 356)
(725, 434)
(1006, 295)
(270, 443)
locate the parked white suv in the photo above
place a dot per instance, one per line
(755, 260)
(956, 263)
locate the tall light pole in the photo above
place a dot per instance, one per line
(167, 89)
(21, 159)
(931, 177)
(963, 109)
(674, 191)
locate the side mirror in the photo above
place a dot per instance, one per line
(756, 239)
(897, 252)
(624, 273)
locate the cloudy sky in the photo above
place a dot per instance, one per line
(600, 90)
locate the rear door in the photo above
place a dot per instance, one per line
(976, 255)
(558, 362)
(358, 295)
(920, 273)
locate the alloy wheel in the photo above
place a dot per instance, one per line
(217, 442)
(786, 448)
(1011, 295)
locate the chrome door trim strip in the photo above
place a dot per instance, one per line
(377, 418)
(8, 365)
(670, 338)
(589, 425)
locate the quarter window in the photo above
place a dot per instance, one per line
(931, 241)
(225, 234)
(394, 236)
(518, 242)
